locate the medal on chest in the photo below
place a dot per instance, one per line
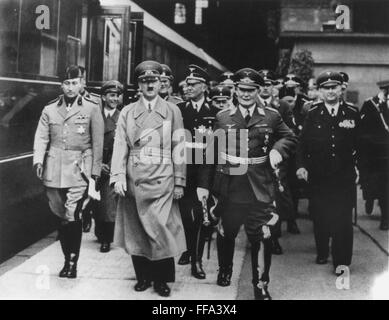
(80, 130)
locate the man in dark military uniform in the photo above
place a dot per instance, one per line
(71, 131)
(326, 159)
(284, 200)
(243, 178)
(221, 97)
(166, 85)
(199, 117)
(374, 152)
(106, 208)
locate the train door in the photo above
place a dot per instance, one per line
(113, 45)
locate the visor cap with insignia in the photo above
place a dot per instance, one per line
(268, 76)
(112, 86)
(166, 72)
(220, 92)
(148, 70)
(383, 84)
(226, 78)
(345, 77)
(329, 78)
(197, 73)
(72, 72)
(248, 77)
(291, 80)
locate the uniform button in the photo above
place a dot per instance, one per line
(159, 182)
(333, 136)
(333, 154)
(248, 149)
(333, 146)
(66, 124)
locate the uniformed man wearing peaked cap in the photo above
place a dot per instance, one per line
(166, 85)
(374, 152)
(226, 79)
(70, 131)
(326, 159)
(242, 177)
(199, 117)
(221, 97)
(105, 210)
(149, 180)
(284, 200)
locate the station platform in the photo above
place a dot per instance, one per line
(33, 273)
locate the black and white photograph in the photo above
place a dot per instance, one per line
(209, 151)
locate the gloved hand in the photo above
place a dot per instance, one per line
(275, 158)
(97, 182)
(302, 173)
(201, 193)
(39, 170)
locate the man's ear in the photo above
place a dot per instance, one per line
(104, 97)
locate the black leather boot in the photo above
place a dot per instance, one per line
(75, 234)
(197, 267)
(260, 282)
(224, 276)
(64, 241)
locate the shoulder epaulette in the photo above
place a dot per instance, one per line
(94, 94)
(272, 109)
(90, 100)
(55, 100)
(224, 110)
(351, 106)
(314, 106)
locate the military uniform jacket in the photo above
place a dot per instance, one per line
(109, 135)
(265, 131)
(300, 111)
(328, 145)
(201, 124)
(74, 141)
(148, 221)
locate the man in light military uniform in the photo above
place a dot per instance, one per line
(105, 211)
(199, 117)
(242, 179)
(150, 179)
(166, 85)
(326, 159)
(70, 131)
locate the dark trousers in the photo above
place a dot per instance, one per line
(104, 231)
(331, 211)
(253, 216)
(157, 271)
(192, 219)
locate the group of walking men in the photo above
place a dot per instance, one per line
(236, 153)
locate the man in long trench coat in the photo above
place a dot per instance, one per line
(148, 169)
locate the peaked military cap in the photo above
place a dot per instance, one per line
(248, 77)
(268, 76)
(383, 84)
(220, 92)
(226, 78)
(291, 80)
(148, 70)
(72, 72)
(112, 86)
(197, 73)
(166, 72)
(345, 77)
(329, 78)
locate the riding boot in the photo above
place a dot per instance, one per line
(259, 272)
(63, 240)
(75, 234)
(196, 259)
(225, 253)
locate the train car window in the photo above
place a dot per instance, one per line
(104, 63)
(9, 20)
(38, 45)
(130, 53)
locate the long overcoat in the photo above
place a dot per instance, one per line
(147, 156)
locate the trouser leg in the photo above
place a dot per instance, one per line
(185, 205)
(318, 211)
(158, 271)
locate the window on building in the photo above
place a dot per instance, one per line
(363, 11)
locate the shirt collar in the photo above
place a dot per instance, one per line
(244, 112)
(330, 107)
(268, 100)
(198, 103)
(152, 102)
(109, 112)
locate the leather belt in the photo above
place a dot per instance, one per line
(72, 148)
(151, 152)
(241, 160)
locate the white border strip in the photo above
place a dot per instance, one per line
(30, 155)
(29, 80)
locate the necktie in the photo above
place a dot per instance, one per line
(108, 116)
(333, 112)
(247, 117)
(149, 107)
